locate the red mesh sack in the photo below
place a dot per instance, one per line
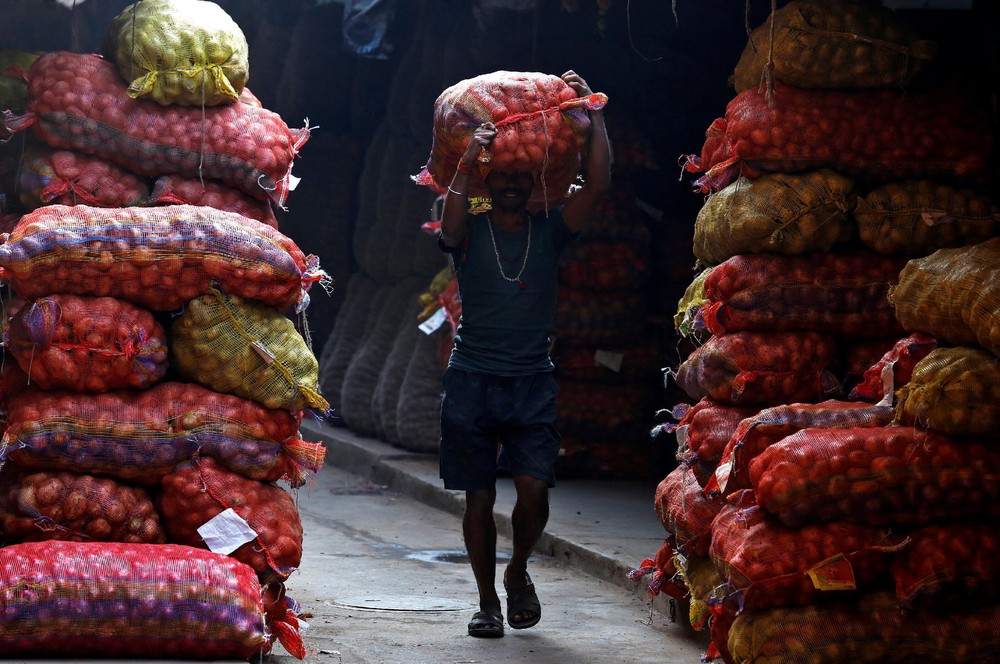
(115, 600)
(74, 507)
(703, 429)
(598, 412)
(878, 476)
(881, 134)
(177, 190)
(759, 368)
(838, 293)
(542, 127)
(611, 364)
(158, 258)
(198, 492)
(79, 102)
(595, 318)
(757, 433)
(141, 435)
(894, 369)
(685, 511)
(65, 177)
(662, 567)
(766, 563)
(91, 344)
(604, 265)
(954, 563)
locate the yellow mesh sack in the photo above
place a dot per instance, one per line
(955, 391)
(241, 347)
(187, 52)
(833, 44)
(953, 295)
(918, 217)
(776, 214)
(691, 301)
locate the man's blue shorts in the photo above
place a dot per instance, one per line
(493, 422)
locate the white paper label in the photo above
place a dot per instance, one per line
(226, 532)
(293, 182)
(682, 437)
(436, 320)
(610, 360)
(888, 377)
(722, 473)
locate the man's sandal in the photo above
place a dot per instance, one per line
(523, 600)
(486, 624)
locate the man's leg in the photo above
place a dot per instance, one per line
(480, 533)
(531, 513)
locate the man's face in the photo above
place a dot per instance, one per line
(510, 190)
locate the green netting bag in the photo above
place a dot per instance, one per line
(237, 346)
(833, 44)
(187, 52)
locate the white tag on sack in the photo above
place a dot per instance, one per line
(613, 361)
(264, 353)
(226, 532)
(293, 182)
(435, 321)
(681, 433)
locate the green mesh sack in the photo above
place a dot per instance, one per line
(237, 346)
(778, 213)
(187, 52)
(955, 391)
(833, 44)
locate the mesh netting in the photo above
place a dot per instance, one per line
(592, 318)
(158, 258)
(893, 370)
(756, 433)
(918, 217)
(198, 492)
(833, 44)
(177, 190)
(65, 177)
(76, 507)
(778, 213)
(79, 102)
(604, 265)
(952, 563)
(595, 412)
(187, 52)
(685, 511)
(616, 363)
(686, 320)
(542, 127)
(759, 368)
(142, 435)
(955, 391)
(766, 563)
(837, 293)
(880, 134)
(249, 349)
(128, 600)
(894, 475)
(92, 344)
(704, 429)
(701, 578)
(953, 295)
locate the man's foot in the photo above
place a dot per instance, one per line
(523, 608)
(486, 624)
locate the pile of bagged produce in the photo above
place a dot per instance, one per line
(837, 493)
(155, 378)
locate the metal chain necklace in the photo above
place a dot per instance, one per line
(496, 252)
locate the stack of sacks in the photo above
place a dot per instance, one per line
(158, 386)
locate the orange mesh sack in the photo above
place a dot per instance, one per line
(955, 391)
(892, 475)
(833, 44)
(893, 370)
(202, 490)
(74, 507)
(246, 348)
(755, 434)
(766, 563)
(759, 368)
(869, 630)
(666, 576)
(177, 190)
(779, 213)
(918, 217)
(140, 436)
(878, 134)
(839, 293)
(92, 344)
(187, 52)
(79, 102)
(65, 177)
(953, 295)
(158, 258)
(954, 563)
(685, 511)
(542, 127)
(703, 429)
(115, 600)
